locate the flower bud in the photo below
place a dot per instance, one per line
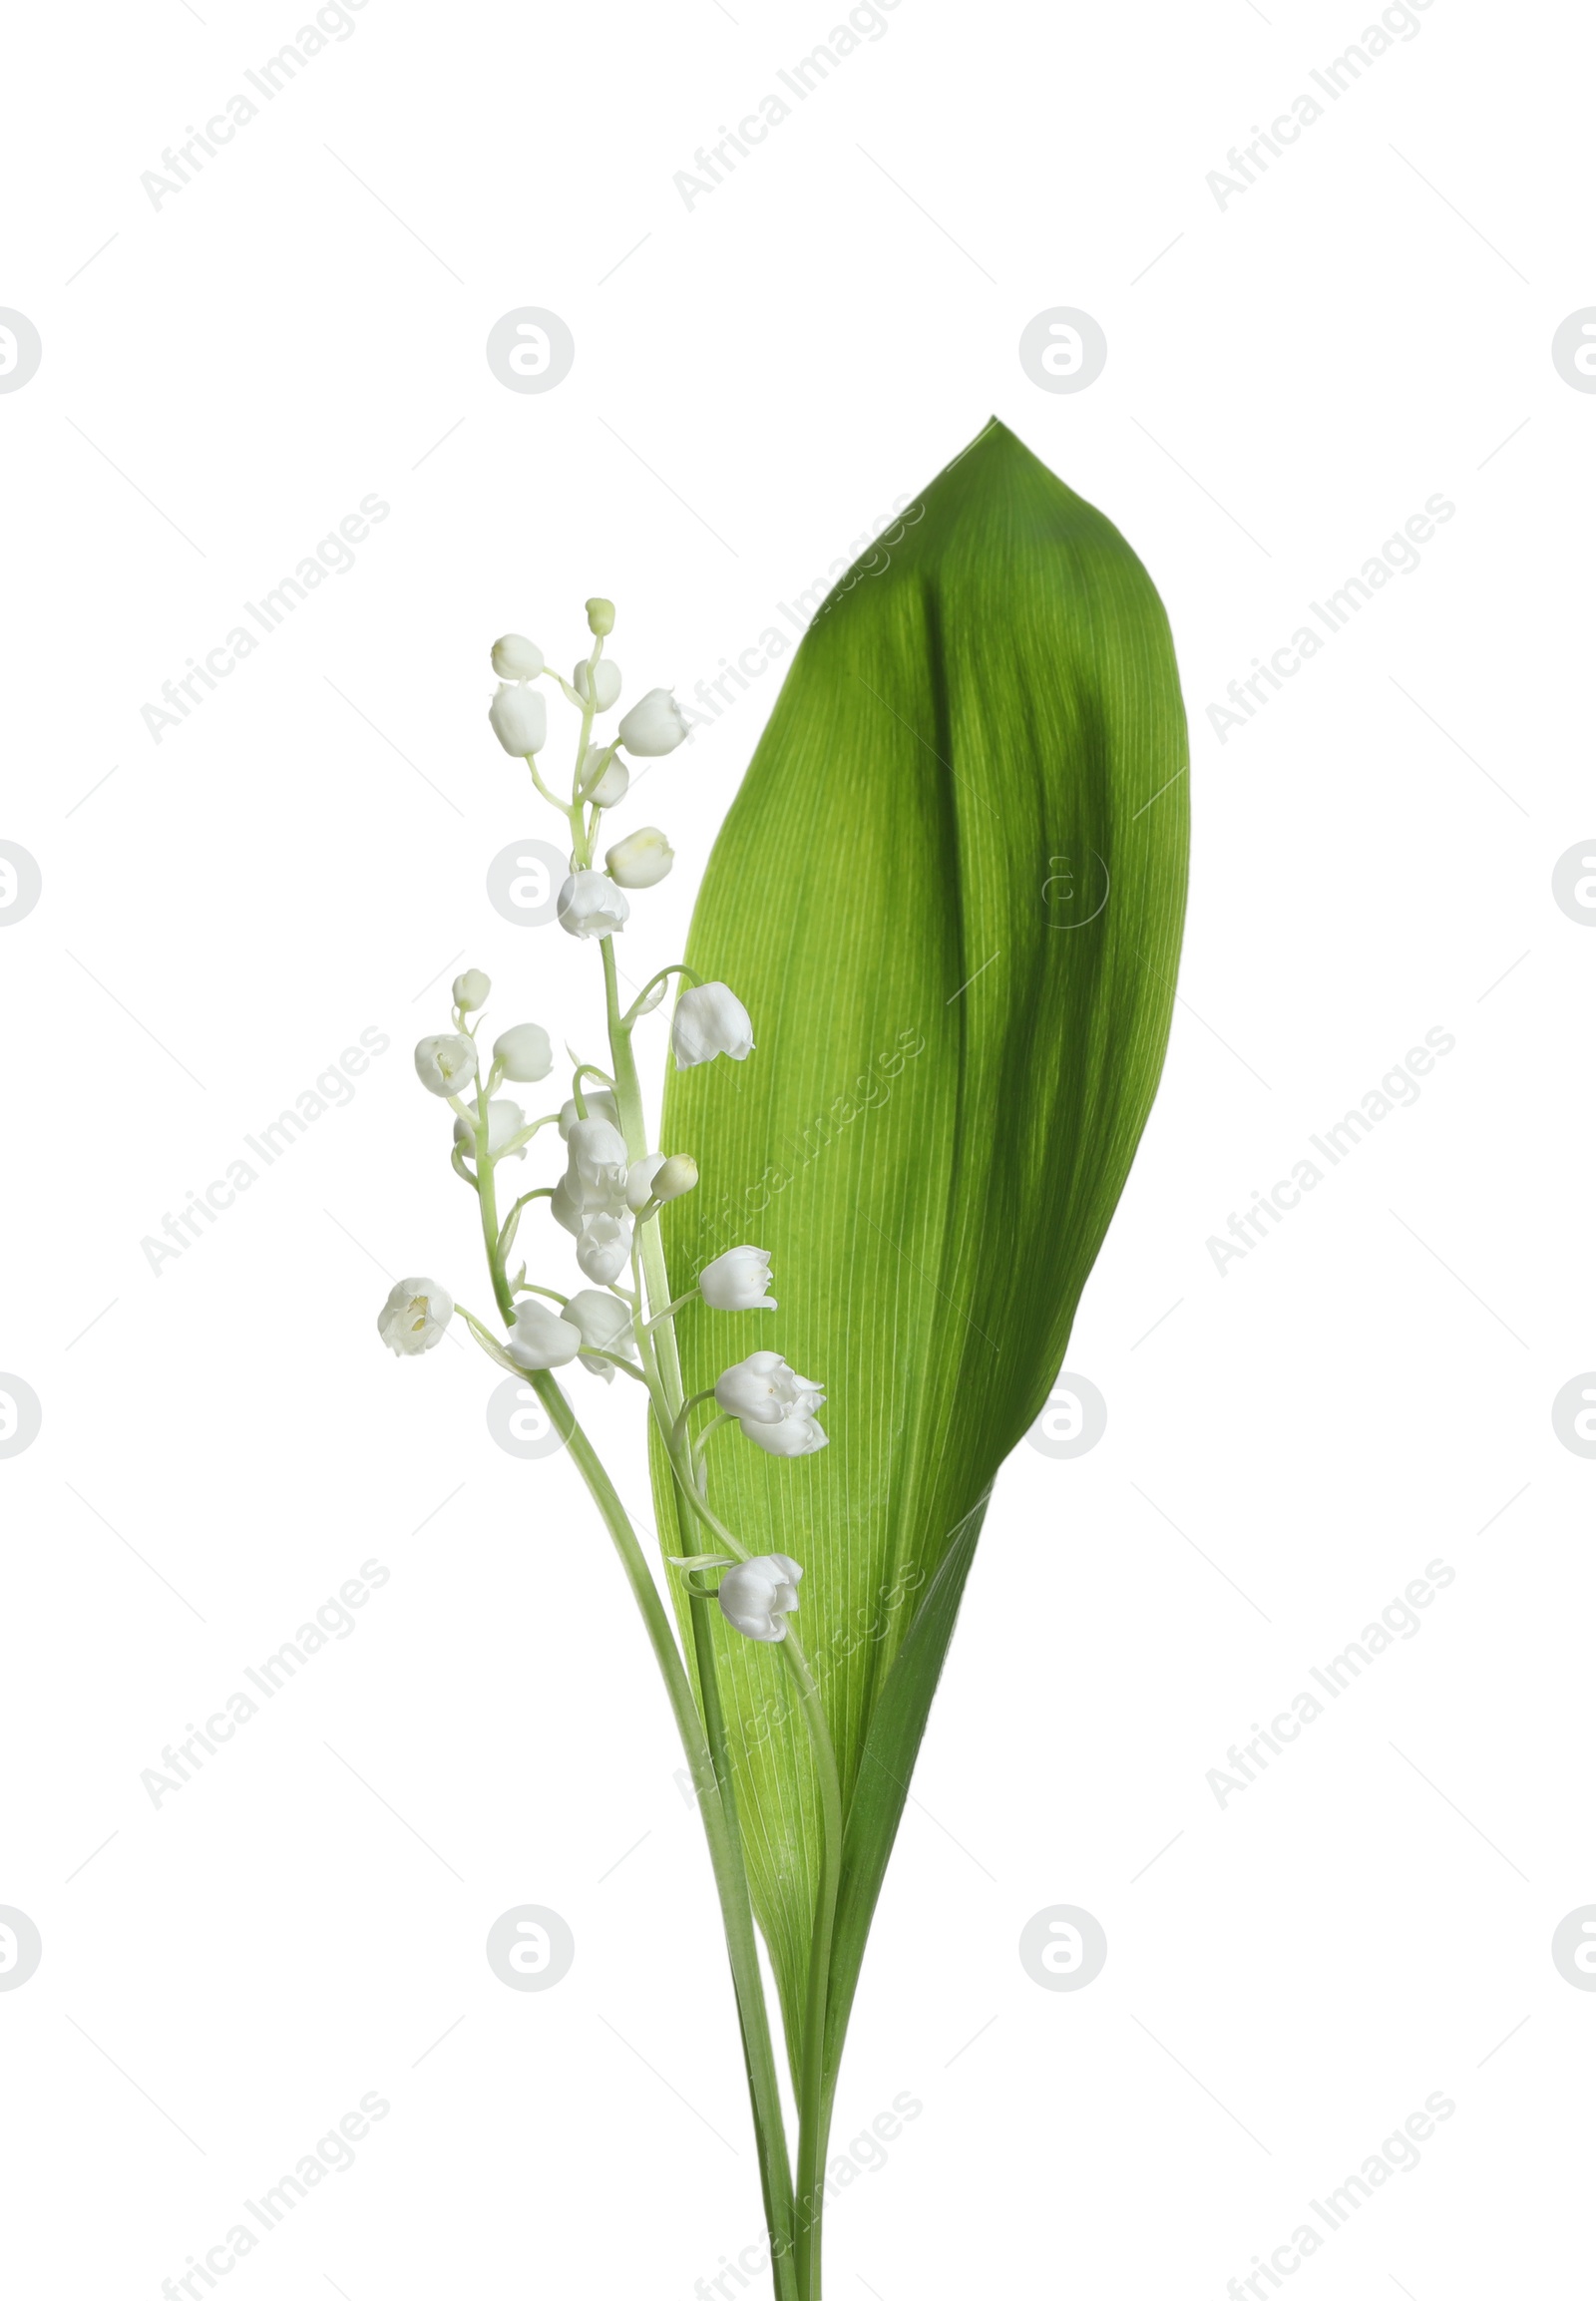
(711, 1021)
(601, 617)
(641, 859)
(655, 725)
(415, 1315)
(591, 906)
(471, 990)
(522, 1052)
(517, 659)
(446, 1063)
(603, 679)
(610, 787)
(676, 1177)
(520, 718)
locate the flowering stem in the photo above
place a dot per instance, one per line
(519, 1141)
(813, 2098)
(507, 1237)
(669, 1311)
(719, 1828)
(494, 1350)
(542, 787)
(704, 1437)
(581, 1071)
(736, 1904)
(664, 974)
(678, 1428)
(814, 2095)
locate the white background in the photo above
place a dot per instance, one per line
(757, 379)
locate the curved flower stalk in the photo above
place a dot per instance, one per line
(607, 1199)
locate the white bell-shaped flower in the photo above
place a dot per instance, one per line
(737, 1279)
(600, 1104)
(415, 1316)
(640, 1180)
(565, 1204)
(592, 906)
(605, 1323)
(541, 1337)
(603, 1247)
(446, 1063)
(711, 1021)
(596, 1166)
(797, 1435)
(505, 1121)
(757, 1596)
(764, 1389)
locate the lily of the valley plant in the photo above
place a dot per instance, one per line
(943, 1074)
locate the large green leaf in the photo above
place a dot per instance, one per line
(950, 893)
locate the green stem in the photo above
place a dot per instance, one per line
(758, 2053)
(678, 1428)
(814, 2087)
(725, 1853)
(634, 1010)
(669, 1310)
(813, 2095)
(702, 1440)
